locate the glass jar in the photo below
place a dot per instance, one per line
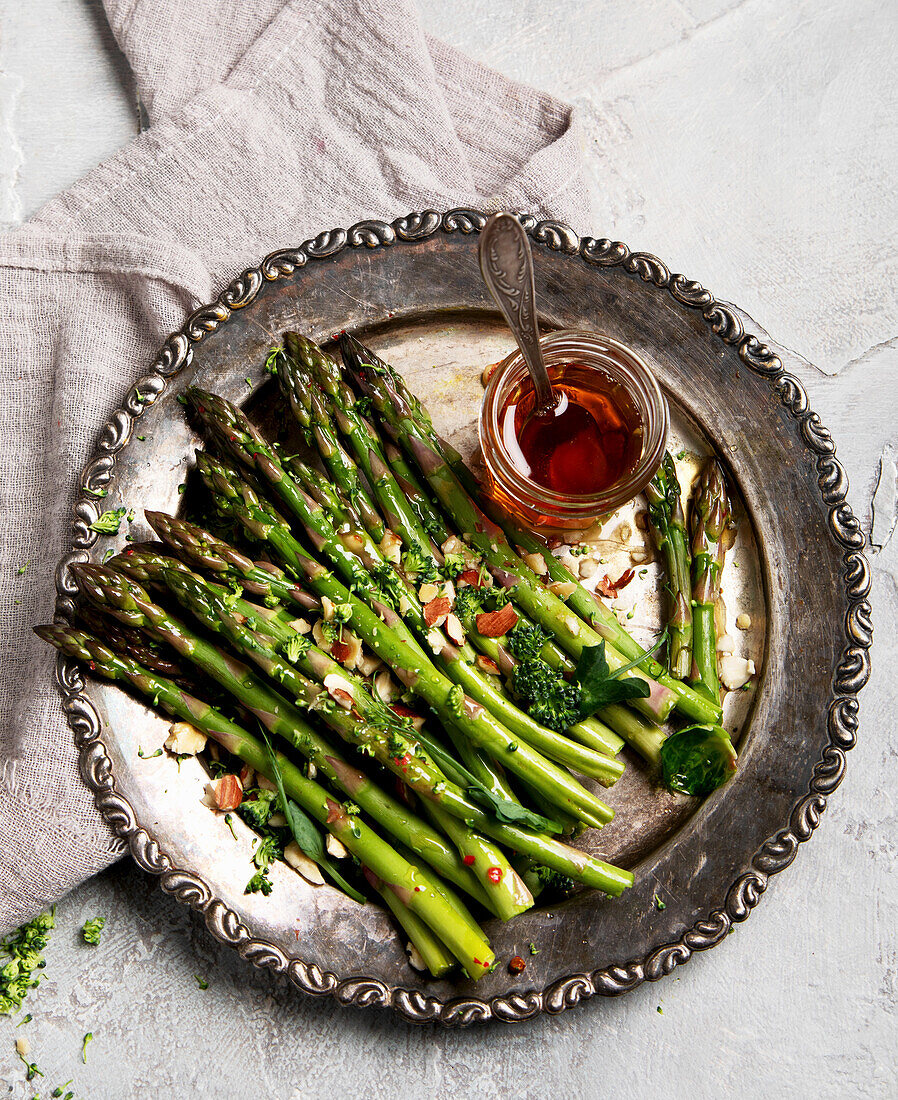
(534, 503)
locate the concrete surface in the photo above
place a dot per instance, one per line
(752, 145)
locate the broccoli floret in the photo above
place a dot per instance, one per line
(551, 700)
(453, 566)
(256, 811)
(422, 565)
(526, 640)
(468, 602)
(555, 880)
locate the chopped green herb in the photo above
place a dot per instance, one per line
(109, 522)
(201, 982)
(22, 568)
(97, 492)
(110, 553)
(58, 1090)
(31, 1070)
(534, 950)
(352, 808)
(142, 438)
(660, 1010)
(229, 821)
(148, 755)
(90, 933)
(579, 550)
(272, 358)
(259, 883)
(182, 486)
(681, 455)
(659, 904)
(513, 746)
(87, 1038)
(21, 953)
(25, 1020)
(248, 382)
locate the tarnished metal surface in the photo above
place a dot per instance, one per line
(414, 288)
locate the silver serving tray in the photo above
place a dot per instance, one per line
(414, 287)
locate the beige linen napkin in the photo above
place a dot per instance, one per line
(270, 122)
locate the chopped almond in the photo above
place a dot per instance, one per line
(435, 640)
(453, 545)
(327, 608)
(265, 784)
(436, 610)
(611, 588)
(471, 576)
(454, 628)
(563, 589)
(245, 775)
(227, 793)
(537, 563)
(184, 739)
(336, 847)
(487, 664)
(428, 592)
(339, 690)
(493, 624)
(391, 547)
(300, 626)
(449, 591)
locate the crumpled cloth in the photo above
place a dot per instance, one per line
(269, 122)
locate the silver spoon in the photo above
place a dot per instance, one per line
(506, 263)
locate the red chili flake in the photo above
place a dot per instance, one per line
(91, 666)
(402, 761)
(610, 588)
(418, 889)
(468, 861)
(471, 576)
(517, 965)
(494, 874)
(436, 609)
(493, 624)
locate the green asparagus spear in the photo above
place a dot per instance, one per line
(710, 528)
(411, 887)
(668, 524)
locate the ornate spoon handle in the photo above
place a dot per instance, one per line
(507, 267)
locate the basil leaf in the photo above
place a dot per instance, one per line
(305, 831)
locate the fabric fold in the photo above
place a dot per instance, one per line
(270, 122)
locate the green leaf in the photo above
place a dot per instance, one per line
(109, 522)
(598, 688)
(510, 813)
(697, 760)
(305, 831)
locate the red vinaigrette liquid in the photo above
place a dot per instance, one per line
(589, 442)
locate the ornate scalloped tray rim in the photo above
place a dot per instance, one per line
(773, 856)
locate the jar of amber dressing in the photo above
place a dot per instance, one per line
(600, 446)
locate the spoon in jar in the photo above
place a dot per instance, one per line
(506, 264)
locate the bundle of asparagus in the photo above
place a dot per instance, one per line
(394, 610)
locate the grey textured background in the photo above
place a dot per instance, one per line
(752, 145)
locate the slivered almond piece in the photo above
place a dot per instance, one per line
(385, 687)
(296, 858)
(487, 664)
(184, 739)
(449, 591)
(428, 592)
(435, 641)
(327, 608)
(265, 784)
(227, 793)
(453, 545)
(347, 649)
(245, 775)
(436, 610)
(563, 589)
(277, 821)
(391, 547)
(493, 624)
(300, 626)
(454, 628)
(368, 663)
(588, 568)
